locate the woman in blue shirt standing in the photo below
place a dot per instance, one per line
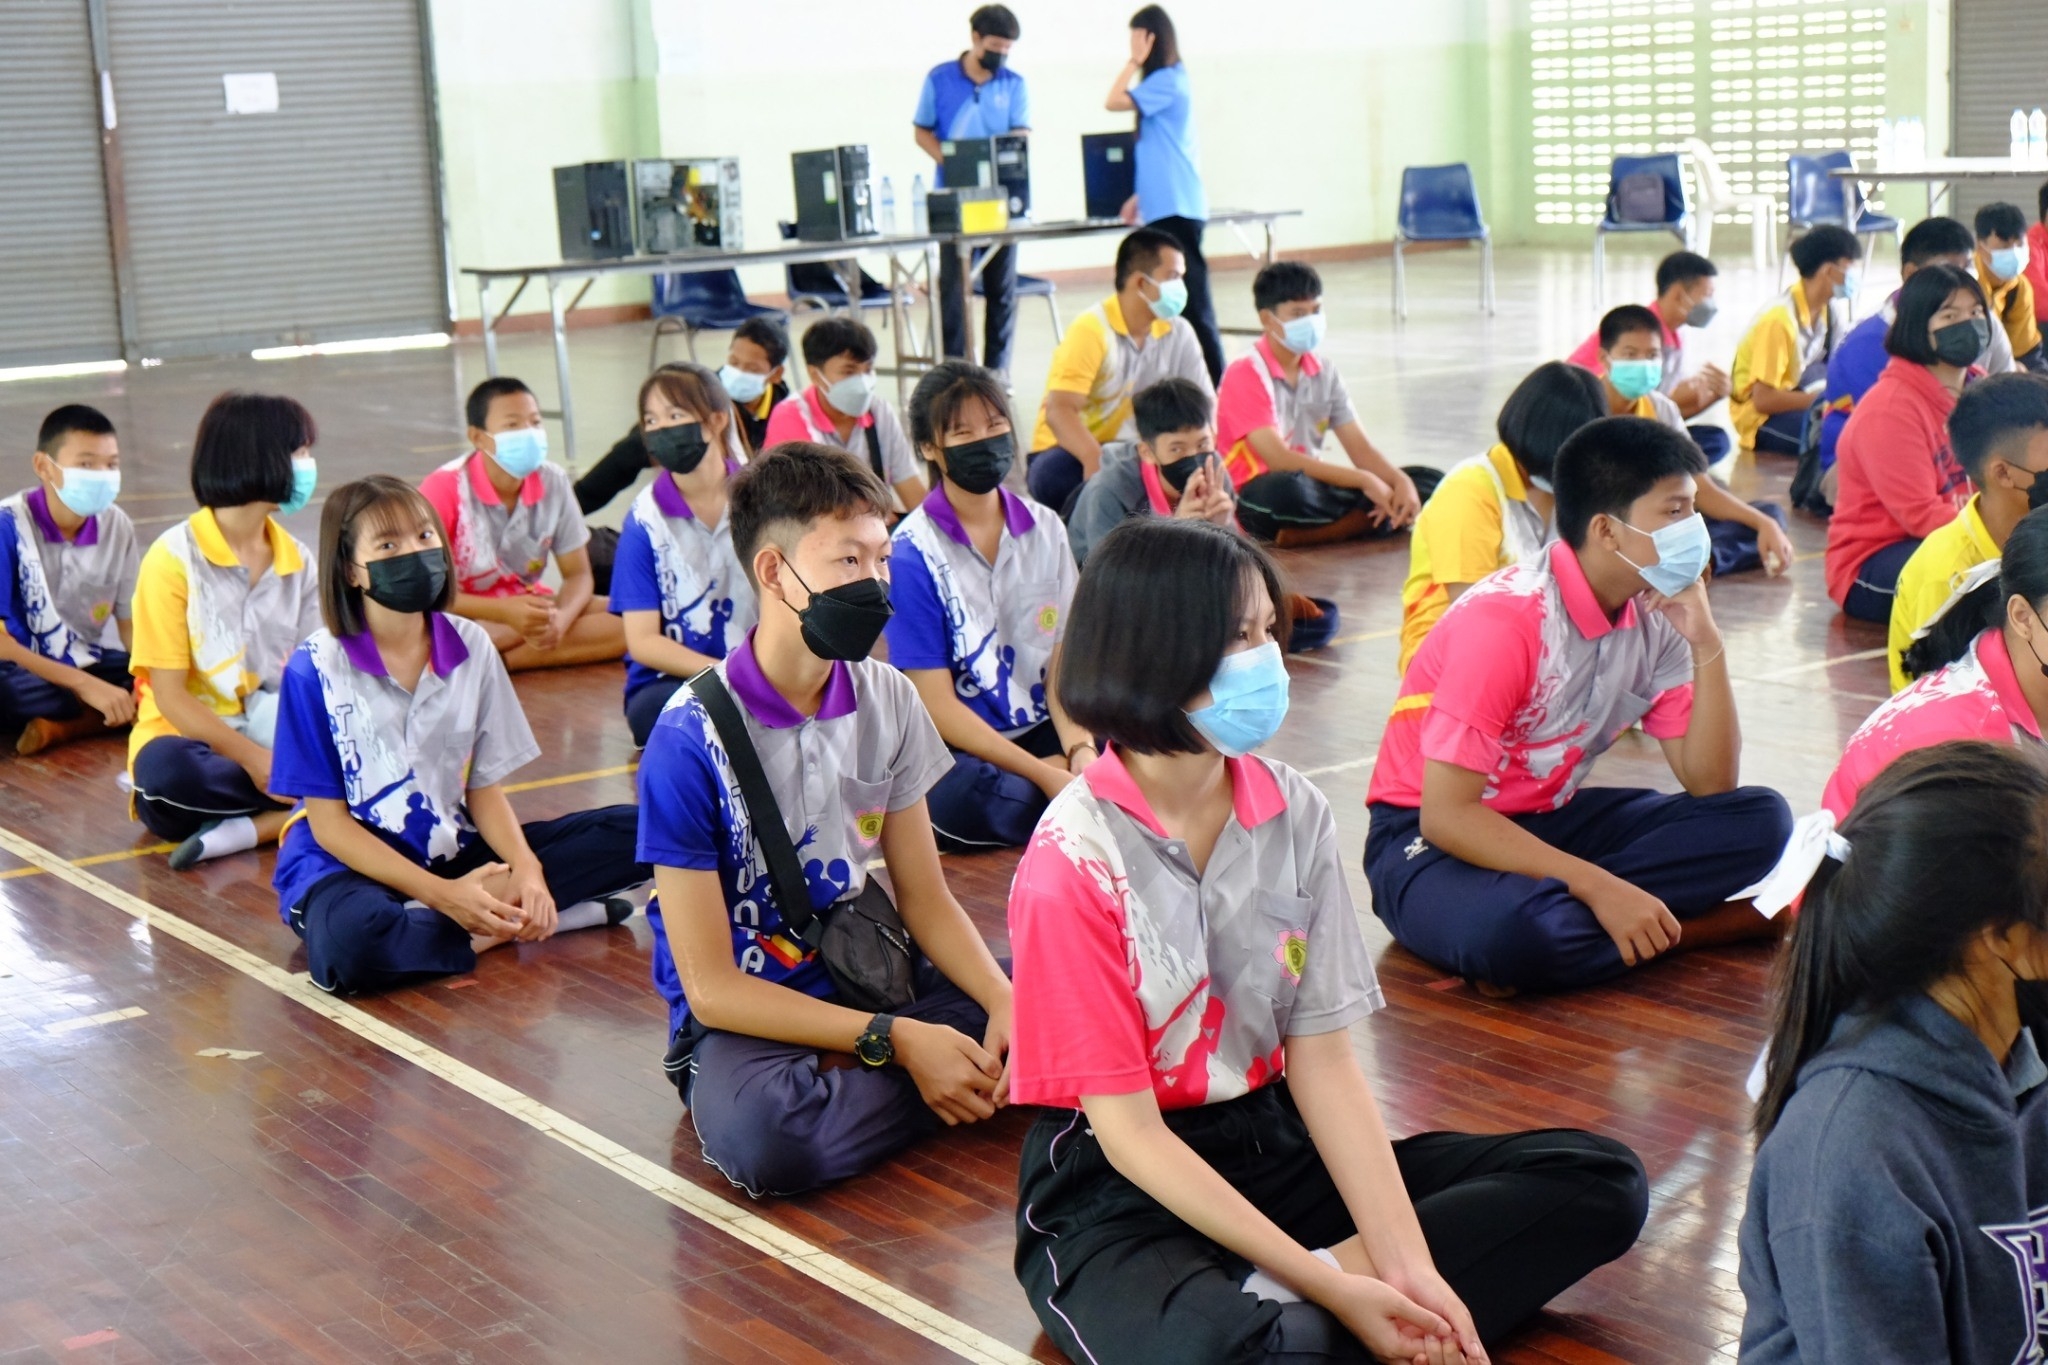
(1170, 196)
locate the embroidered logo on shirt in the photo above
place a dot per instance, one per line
(101, 611)
(1292, 954)
(868, 824)
(2028, 1245)
(1416, 848)
(1048, 617)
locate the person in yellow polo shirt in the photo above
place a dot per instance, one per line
(1999, 433)
(2002, 259)
(1129, 341)
(1494, 510)
(1783, 360)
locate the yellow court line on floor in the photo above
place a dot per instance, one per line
(566, 778)
(1360, 639)
(735, 1220)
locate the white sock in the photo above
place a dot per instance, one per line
(236, 834)
(1266, 1287)
(581, 915)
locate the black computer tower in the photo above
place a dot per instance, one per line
(1109, 171)
(832, 202)
(594, 207)
(1002, 162)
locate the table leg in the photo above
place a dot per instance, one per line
(483, 310)
(559, 317)
(963, 254)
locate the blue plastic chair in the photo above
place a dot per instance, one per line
(1676, 219)
(1440, 204)
(702, 301)
(812, 285)
(1032, 287)
(1815, 196)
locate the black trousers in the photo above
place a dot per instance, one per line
(1201, 309)
(1511, 1220)
(999, 306)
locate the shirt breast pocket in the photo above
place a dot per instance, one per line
(867, 806)
(1279, 953)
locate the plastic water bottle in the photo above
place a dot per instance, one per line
(920, 212)
(2037, 136)
(1887, 142)
(888, 202)
(2017, 147)
(1913, 139)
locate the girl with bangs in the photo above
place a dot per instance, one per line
(397, 726)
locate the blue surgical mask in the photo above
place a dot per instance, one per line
(89, 492)
(1304, 336)
(853, 395)
(1634, 378)
(2009, 262)
(1247, 701)
(1173, 297)
(1851, 285)
(742, 386)
(305, 478)
(521, 452)
(1683, 550)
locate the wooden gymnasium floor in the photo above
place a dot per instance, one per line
(491, 1168)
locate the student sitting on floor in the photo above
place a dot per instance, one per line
(1273, 410)
(1494, 510)
(840, 409)
(2002, 259)
(1128, 342)
(1685, 300)
(1895, 1206)
(1978, 671)
(1999, 431)
(1630, 364)
(753, 376)
(981, 580)
(1896, 479)
(1782, 362)
(2037, 255)
(1485, 855)
(1171, 470)
(397, 727)
(67, 580)
(849, 755)
(221, 601)
(508, 509)
(1861, 357)
(1188, 968)
(676, 583)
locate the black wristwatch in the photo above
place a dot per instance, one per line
(873, 1047)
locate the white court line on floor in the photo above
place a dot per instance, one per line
(95, 1020)
(1339, 767)
(734, 1219)
(1815, 665)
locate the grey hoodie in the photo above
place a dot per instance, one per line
(1115, 493)
(1898, 1211)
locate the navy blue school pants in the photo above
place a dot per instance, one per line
(25, 697)
(1054, 477)
(1782, 433)
(363, 936)
(181, 785)
(1691, 852)
(978, 805)
(1876, 583)
(774, 1122)
(644, 706)
(1714, 442)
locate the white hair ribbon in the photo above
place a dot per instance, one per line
(1813, 838)
(1960, 586)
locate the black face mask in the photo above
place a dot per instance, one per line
(408, 583)
(978, 466)
(992, 61)
(844, 622)
(2037, 491)
(1961, 343)
(1180, 471)
(678, 449)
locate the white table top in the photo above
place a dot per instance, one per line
(1951, 168)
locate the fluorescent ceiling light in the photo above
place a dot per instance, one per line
(63, 371)
(424, 341)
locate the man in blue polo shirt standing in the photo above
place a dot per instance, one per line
(976, 95)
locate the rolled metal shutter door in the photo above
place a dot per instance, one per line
(1999, 63)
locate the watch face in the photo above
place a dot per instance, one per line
(874, 1049)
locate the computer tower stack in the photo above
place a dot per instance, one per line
(1002, 162)
(594, 209)
(686, 204)
(1109, 170)
(832, 201)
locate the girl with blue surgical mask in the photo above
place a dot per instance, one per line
(1212, 1177)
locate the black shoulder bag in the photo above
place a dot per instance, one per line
(861, 940)
(875, 451)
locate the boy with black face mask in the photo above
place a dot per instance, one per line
(847, 754)
(1171, 470)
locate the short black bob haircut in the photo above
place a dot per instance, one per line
(994, 21)
(828, 338)
(774, 343)
(1553, 401)
(1683, 267)
(2001, 220)
(1170, 405)
(243, 452)
(1822, 247)
(1629, 318)
(1285, 282)
(1138, 253)
(383, 505)
(1165, 42)
(477, 409)
(67, 419)
(1993, 417)
(1606, 465)
(1930, 239)
(779, 495)
(1127, 676)
(1922, 296)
